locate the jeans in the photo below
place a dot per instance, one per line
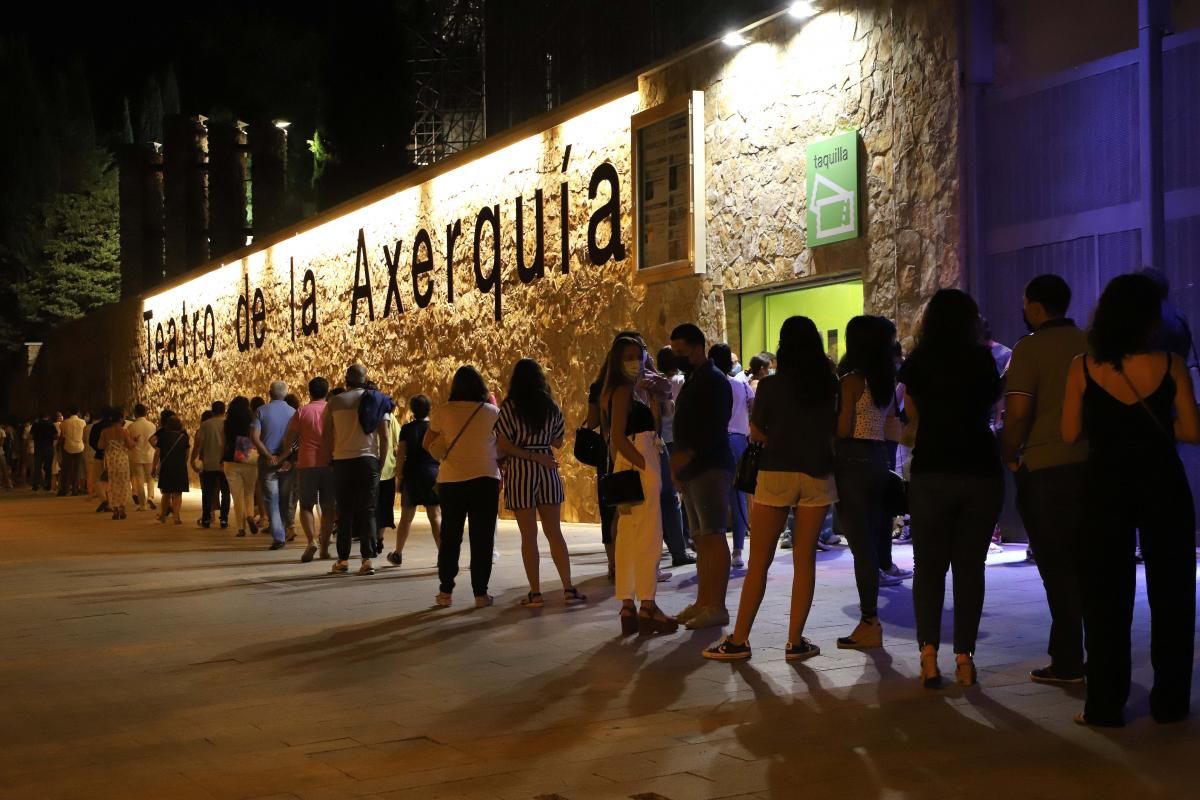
(739, 521)
(687, 534)
(861, 469)
(357, 482)
(474, 502)
(43, 466)
(68, 474)
(1051, 503)
(277, 497)
(953, 517)
(671, 510)
(214, 488)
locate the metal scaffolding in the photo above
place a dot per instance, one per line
(451, 88)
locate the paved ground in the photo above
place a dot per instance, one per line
(155, 661)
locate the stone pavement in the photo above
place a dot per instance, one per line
(151, 661)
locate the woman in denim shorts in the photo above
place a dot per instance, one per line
(795, 412)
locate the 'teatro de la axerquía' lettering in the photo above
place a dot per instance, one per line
(169, 342)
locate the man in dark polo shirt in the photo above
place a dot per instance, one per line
(702, 466)
(1049, 472)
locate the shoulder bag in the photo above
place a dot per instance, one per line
(622, 488)
(446, 454)
(590, 448)
(745, 478)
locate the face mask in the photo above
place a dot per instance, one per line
(632, 369)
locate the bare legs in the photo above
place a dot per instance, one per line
(527, 519)
(404, 526)
(768, 522)
(308, 523)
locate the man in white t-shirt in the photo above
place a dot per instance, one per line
(357, 456)
(142, 457)
(70, 435)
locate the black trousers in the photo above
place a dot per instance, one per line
(357, 481)
(953, 517)
(1153, 499)
(214, 490)
(474, 502)
(1051, 504)
(43, 466)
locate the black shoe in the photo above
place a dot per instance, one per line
(103, 507)
(204, 524)
(1052, 676)
(726, 650)
(683, 560)
(224, 524)
(395, 559)
(277, 545)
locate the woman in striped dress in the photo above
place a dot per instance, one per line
(529, 429)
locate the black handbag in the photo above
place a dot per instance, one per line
(745, 478)
(622, 488)
(590, 448)
(895, 495)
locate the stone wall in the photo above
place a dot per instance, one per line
(887, 69)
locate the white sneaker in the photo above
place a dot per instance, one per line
(736, 561)
(994, 548)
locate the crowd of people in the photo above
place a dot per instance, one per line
(691, 449)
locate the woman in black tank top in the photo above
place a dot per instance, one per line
(1133, 406)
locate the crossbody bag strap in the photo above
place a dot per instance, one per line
(1142, 401)
(462, 430)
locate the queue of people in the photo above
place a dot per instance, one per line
(689, 449)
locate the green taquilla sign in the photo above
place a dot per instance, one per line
(831, 189)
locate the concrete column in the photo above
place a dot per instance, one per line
(185, 188)
(268, 170)
(1153, 19)
(140, 189)
(229, 222)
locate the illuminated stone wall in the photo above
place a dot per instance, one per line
(889, 74)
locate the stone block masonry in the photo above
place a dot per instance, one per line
(524, 249)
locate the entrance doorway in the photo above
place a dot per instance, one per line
(830, 306)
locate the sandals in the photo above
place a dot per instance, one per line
(629, 620)
(573, 596)
(533, 600)
(657, 622)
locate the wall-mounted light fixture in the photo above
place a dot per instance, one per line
(282, 124)
(734, 39)
(802, 9)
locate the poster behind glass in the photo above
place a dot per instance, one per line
(664, 189)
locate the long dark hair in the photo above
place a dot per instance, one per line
(468, 385)
(869, 352)
(802, 360)
(614, 376)
(530, 394)
(1126, 319)
(951, 323)
(238, 417)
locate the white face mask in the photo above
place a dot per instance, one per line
(632, 369)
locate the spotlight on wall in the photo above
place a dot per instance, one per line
(802, 9)
(282, 124)
(734, 39)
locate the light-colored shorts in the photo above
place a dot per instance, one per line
(790, 489)
(706, 502)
